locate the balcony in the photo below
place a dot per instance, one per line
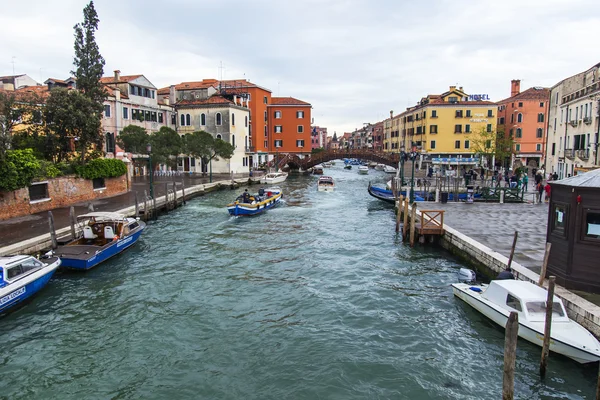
(251, 149)
(587, 120)
(583, 154)
(570, 154)
(574, 123)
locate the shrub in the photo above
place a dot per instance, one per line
(17, 169)
(48, 170)
(102, 168)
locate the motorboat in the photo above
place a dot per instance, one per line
(379, 167)
(274, 177)
(317, 169)
(389, 170)
(102, 236)
(22, 276)
(325, 184)
(347, 166)
(372, 164)
(363, 170)
(247, 204)
(327, 165)
(498, 299)
(388, 195)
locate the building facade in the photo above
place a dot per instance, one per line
(573, 124)
(14, 82)
(318, 137)
(289, 122)
(523, 116)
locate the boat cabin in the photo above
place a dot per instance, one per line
(100, 228)
(526, 298)
(14, 268)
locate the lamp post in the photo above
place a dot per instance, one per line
(210, 170)
(413, 156)
(401, 165)
(149, 151)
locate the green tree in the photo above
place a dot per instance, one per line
(492, 145)
(203, 145)
(166, 146)
(17, 109)
(17, 169)
(133, 139)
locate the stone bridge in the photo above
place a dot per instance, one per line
(296, 162)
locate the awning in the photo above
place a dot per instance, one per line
(455, 160)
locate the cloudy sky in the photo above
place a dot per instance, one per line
(353, 60)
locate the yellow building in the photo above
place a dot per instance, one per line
(447, 129)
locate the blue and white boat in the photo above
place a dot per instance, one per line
(23, 276)
(247, 204)
(103, 235)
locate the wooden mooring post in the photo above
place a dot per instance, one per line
(547, 327)
(405, 225)
(544, 265)
(52, 230)
(174, 195)
(72, 220)
(166, 197)
(413, 221)
(510, 354)
(398, 213)
(146, 205)
(137, 206)
(182, 192)
(512, 250)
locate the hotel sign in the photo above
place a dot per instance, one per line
(478, 97)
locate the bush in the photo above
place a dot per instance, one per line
(48, 170)
(102, 168)
(18, 169)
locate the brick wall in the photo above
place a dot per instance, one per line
(62, 192)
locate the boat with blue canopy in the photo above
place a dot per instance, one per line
(248, 204)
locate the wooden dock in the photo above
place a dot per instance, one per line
(423, 226)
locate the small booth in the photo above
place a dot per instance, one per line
(574, 231)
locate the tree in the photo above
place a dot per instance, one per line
(166, 145)
(17, 169)
(203, 145)
(133, 139)
(492, 145)
(17, 109)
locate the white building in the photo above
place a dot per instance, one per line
(573, 124)
(14, 82)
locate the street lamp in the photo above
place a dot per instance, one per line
(149, 151)
(401, 160)
(413, 156)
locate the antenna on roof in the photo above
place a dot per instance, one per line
(221, 68)
(13, 63)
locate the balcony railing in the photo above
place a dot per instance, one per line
(251, 149)
(583, 154)
(570, 154)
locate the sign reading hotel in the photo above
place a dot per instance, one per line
(479, 97)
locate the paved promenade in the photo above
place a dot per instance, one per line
(18, 229)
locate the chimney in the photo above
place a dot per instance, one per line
(166, 101)
(452, 88)
(117, 75)
(460, 88)
(172, 94)
(117, 94)
(515, 87)
(391, 113)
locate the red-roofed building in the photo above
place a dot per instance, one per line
(289, 121)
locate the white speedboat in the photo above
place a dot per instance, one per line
(389, 170)
(327, 165)
(317, 169)
(500, 297)
(274, 177)
(379, 167)
(325, 184)
(363, 169)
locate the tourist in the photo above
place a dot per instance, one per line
(525, 182)
(547, 188)
(506, 274)
(554, 176)
(540, 190)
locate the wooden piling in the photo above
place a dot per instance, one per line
(547, 327)
(182, 192)
(544, 265)
(398, 213)
(405, 226)
(137, 207)
(510, 353)
(146, 205)
(512, 250)
(174, 195)
(166, 196)
(413, 221)
(72, 220)
(52, 230)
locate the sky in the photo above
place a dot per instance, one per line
(353, 60)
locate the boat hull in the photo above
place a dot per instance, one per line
(238, 209)
(323, 188)
(532, 332)
(97, 254)
(23, 289)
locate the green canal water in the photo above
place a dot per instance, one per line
(316, 299)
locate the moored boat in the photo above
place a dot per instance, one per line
(347, 166)
(23, 276)
(389, 170)
(317, 169)
(247, 204)
(498, 299)
(325, 184)
(379, 167)
(102, 236)
(274, 177)
(363, 170)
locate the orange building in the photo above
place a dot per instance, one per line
(523, 116)
(289, 122)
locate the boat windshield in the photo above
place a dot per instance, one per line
(538, 309)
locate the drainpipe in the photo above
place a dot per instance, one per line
(565, 141)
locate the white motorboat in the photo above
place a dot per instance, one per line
(363, 169)
(317, 169)
(327, 165)
(389, 170)
(379, 167)
(325, 184)
(500, 297)
(274, 177)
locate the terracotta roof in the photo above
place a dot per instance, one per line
(122, 79)
(111, 91)
(534, 93)
(165, 90)
(216, 99)
(287, 101)
(204, 84)
(41, 91)
(2, 78)
(56, 80)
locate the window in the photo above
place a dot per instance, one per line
(591, 228)
(433, 114)
(432, 128)
(457, 144)
(188, 120)
(265, 100)
(510, 133)
(265, 116)
(542, 103)
(538, 147)
(232, 119)
(173, 119)
(520, 104)
(300, 129)
(489, 128)
(513, 302)
(125, 113)
(38, 191)
(219, 137)
(488, 144)
(457, 128)
(519, 133)
(539, 133)
(266, 144)
(153, 116)
(553, 148)
(23, 268)
(110, 142)
(432, 145)
(458, 114)
(278, 129)
(467, 128)
(98, 183)
(517, 147)
(299, 143)
(512, 118)
(453, 99)
(246, 121)
(233, 141)
(468, 113)
(203, 119)
(467, 144)
(182, 122)
(559, 219)
(540, 117)
(148, 117)
(218, 119)
(299, 114)
(490, 113)
(519, 117)
(279, 143)
(160, 117)
(106, 111)
(501, 121)
(277, 114)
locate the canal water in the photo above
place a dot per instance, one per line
(315, 299)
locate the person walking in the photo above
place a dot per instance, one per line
(525, 182)
(540, 190)
(547, 189)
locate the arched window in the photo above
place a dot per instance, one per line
(182, 120)
(265, 130)
(218, 119)
(232, 119)
(219, 137)
(203, 119)
(519, 132)
(188, 120)
(520, 117)
(233, 141)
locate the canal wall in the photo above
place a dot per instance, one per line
(491, 263)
